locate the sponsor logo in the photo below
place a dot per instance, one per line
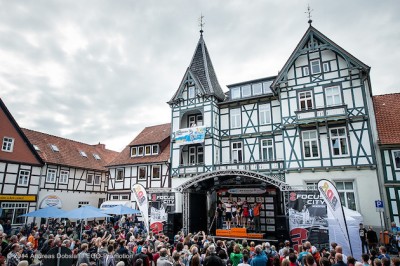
(329, 195)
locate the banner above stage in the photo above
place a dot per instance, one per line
(190, 135)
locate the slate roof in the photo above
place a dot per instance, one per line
(159, 134)
(68, 153)
(202, 70)
(387, 111)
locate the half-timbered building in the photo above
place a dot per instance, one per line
(145, 161)
(20, 170)
(387, 110)
(74, 173)
(267, 136)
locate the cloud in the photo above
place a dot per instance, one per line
(103, 70)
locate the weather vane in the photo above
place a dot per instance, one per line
(201, 24)
(309, 10)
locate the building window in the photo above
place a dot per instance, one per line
(134, 151)
(257, 89)
(267, 149)
(237, 152)
(310, 144)
(142, 172)
(315, 67)
(192, 155)
(155, 149)
(265, 114)
(235, 118)
(23, 177)
(200, 154)
(267, 87)
(120, 174)
(191, 92)
(140, 151)
(124, 197)
(97, 179)
(332, 95)
(235, 93)
(83, 203)
(8, 144)
(339, 141)
(306, 71)
(326, 66)
(96, 156)
(54, 148)
(36, 147)
(246, 91)
(195, 120)
(396, 159)
(51, 175)
(346, 194)
(13, 212)
(114, 197)
(156, 172)
(83, 154)
(147, 150)
(305, 100)
(312, 185)
(89, 179)
(64, 177)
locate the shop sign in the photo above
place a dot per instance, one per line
(51, 201)
(246, 191)
(5, 197)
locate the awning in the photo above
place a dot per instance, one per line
(112, 203)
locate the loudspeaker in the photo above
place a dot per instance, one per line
(173, 225)
(282, 228)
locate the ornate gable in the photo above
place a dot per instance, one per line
(312, 41)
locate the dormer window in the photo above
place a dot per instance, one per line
(147, 150)
(140, 151)
(36, 147)
(83, 154)
(54, 148)
(134, 151)
(96, 156)
(155, 149)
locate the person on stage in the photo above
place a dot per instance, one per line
(228, 213)
(219, 212)
(245, 213)
(240, 211)
(234, 213)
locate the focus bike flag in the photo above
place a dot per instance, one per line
(140, 195)
(331, 196)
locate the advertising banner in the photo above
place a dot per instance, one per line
(308, 219)
(190, 135)
(140, 196)
(331, 197)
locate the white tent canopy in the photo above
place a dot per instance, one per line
(353, 220)
(112, 203)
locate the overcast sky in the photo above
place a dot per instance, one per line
(101, 71)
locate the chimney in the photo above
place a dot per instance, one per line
(100, 145)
